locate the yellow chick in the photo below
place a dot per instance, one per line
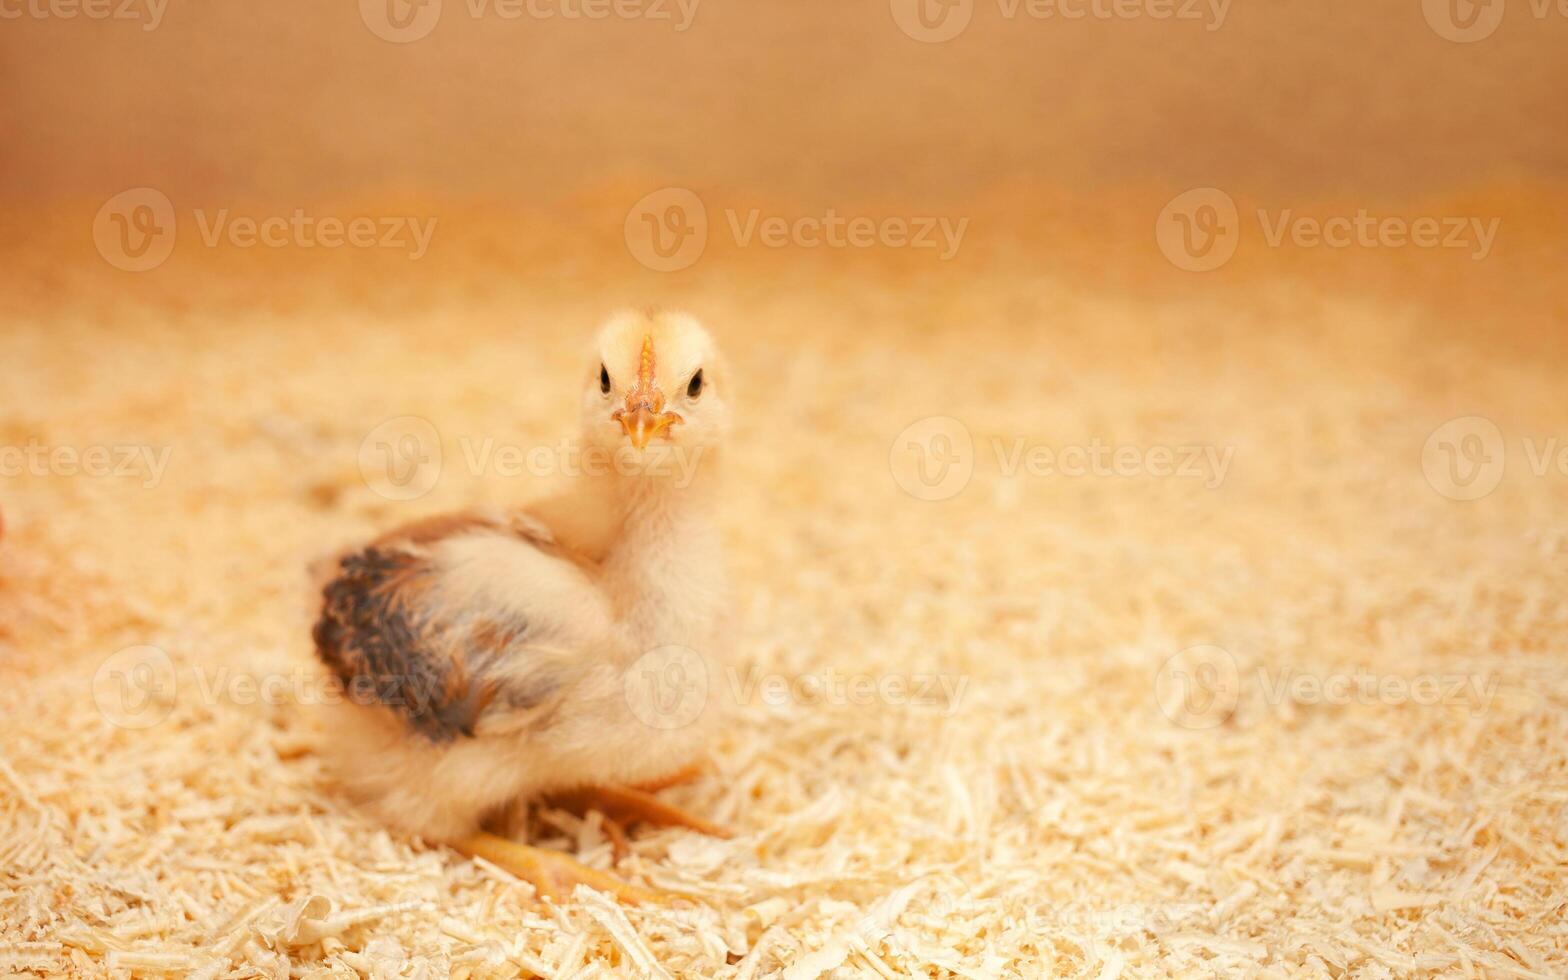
(489, 657)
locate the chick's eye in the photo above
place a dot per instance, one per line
(604, 379)
(695, 387)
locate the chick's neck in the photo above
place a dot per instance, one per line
(663, 567)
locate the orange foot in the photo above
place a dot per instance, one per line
(637, 804)
(554, 875)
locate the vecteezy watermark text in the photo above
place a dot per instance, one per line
(935, 458)
(666, 688)
(1199, 230)
(136, 230)
(1019, 457)
(678, 13)
(936, 21)
(833, 230)
(300, 230)
(848, 688)
(570, 458)
(149, 13)
(1204, 686)
(405, 21)
(127, 461)
(667, 230)
(1365, 230)
(403, 459)
(138, 687)
(1210, 12)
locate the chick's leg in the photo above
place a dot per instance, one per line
(554, 875)
(627, 805)
(683, 775)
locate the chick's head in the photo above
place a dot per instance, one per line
(656, 383)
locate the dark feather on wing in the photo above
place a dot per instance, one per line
(380, 635)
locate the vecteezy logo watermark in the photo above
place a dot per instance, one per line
(148, 463)
(400, 459)
(135, 230)
(932, 21)
(138, 687)
(1466, 458)
(400, 21)
(934, 459)
(403, 21)
(935, 21)
(148, 13)
(1463, 21)
(1200, 229)
(667, 687)
(135, 687)
(1202, 687)
(667, 230)
(1198, 687)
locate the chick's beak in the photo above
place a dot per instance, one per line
(643, 420)
(644, 416)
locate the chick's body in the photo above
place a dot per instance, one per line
(488, 656)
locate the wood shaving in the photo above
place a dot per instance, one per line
(1050, 820)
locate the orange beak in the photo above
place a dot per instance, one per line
(644, 416)
(643, 421)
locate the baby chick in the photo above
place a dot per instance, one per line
(489, 657)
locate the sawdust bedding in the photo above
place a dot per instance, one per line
(1039, 811)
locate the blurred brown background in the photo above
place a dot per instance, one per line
(299, 100)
